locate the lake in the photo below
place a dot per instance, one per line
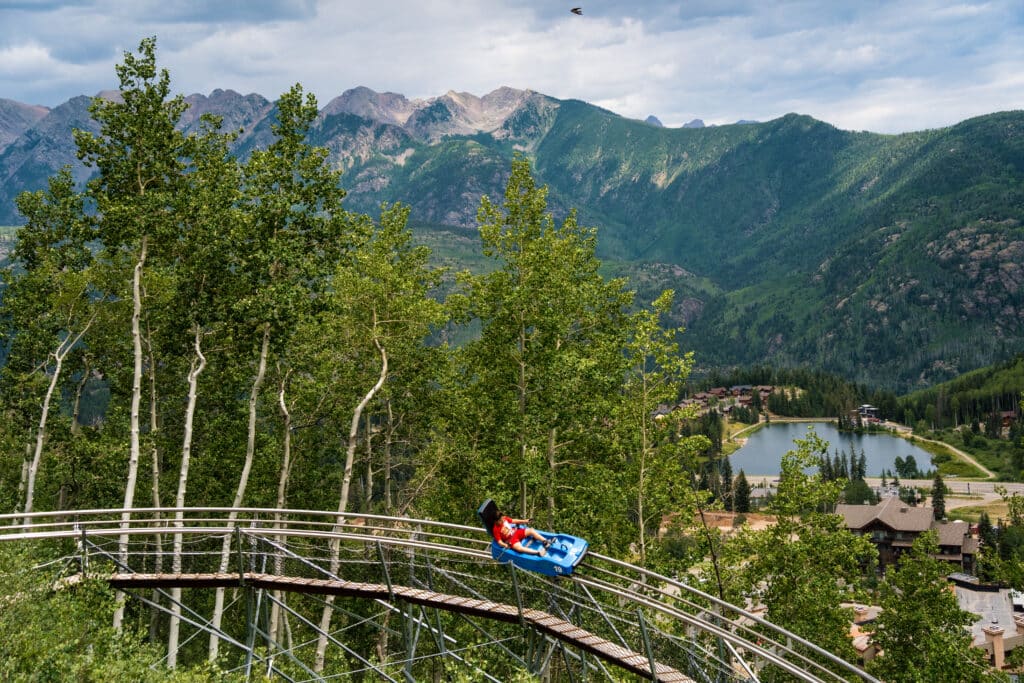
(762, 454)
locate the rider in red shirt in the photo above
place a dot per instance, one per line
(509, 532)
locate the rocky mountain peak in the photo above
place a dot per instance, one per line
(453, 113)
(16, 118)
(110, 95)
(486, 113)
(238, 112)
(46, 144)
(387, 107)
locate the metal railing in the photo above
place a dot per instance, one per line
(415, 569)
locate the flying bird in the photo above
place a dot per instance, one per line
(577, 10)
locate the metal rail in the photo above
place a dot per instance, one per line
(650, 625)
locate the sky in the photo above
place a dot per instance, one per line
(884, 66)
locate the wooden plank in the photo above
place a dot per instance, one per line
(542, 621)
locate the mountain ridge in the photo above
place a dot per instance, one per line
(801, 243)
(16, 118)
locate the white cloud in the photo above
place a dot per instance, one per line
(678, 60)
(25, 61)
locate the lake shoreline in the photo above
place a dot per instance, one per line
(761, 451)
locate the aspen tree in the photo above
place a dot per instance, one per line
(292, 232)
(140, 158)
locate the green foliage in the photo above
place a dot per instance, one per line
(857, 492)
(51, 630)
(920, 629)
(549, 356)
(907, 467)
(803, 567)
(891, 260)
(654, 456)
(938, 497)
(741, 493)
(972, 397)
(1002, 549)
(969, 415)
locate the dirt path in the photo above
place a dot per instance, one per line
(904, 430)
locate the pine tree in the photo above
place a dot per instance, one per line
(910, 464)
(827, 469)
(727, 488)
(938, 497)
(741, 494)
(986, 532)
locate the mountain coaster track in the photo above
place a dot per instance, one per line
(606, 614)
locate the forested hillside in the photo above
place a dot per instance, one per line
(985, 395)
(893, 260)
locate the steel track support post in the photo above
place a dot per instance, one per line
(698, 667)
(384, 568)
(240, 556)
(253, 604)
(532, 653)
(543, 655)
(439, 634)
(515, 587)
(568, 666)
(413, 626)
(410, 640)
(585, 665)
(250, 627)
(647, 643)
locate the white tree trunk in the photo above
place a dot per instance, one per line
(522, 391)
(387, 460)
(33, 469)
(154, 427)
(282, 497)
(26, 462)
(368, 436)
(243, 481)
(197, 367)
(642, 475)
(346, 482)
(133, 455)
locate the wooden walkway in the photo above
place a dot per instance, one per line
(542, 621)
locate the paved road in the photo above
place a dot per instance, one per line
(984, 489)
(964, 487)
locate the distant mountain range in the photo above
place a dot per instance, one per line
(895, 260)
